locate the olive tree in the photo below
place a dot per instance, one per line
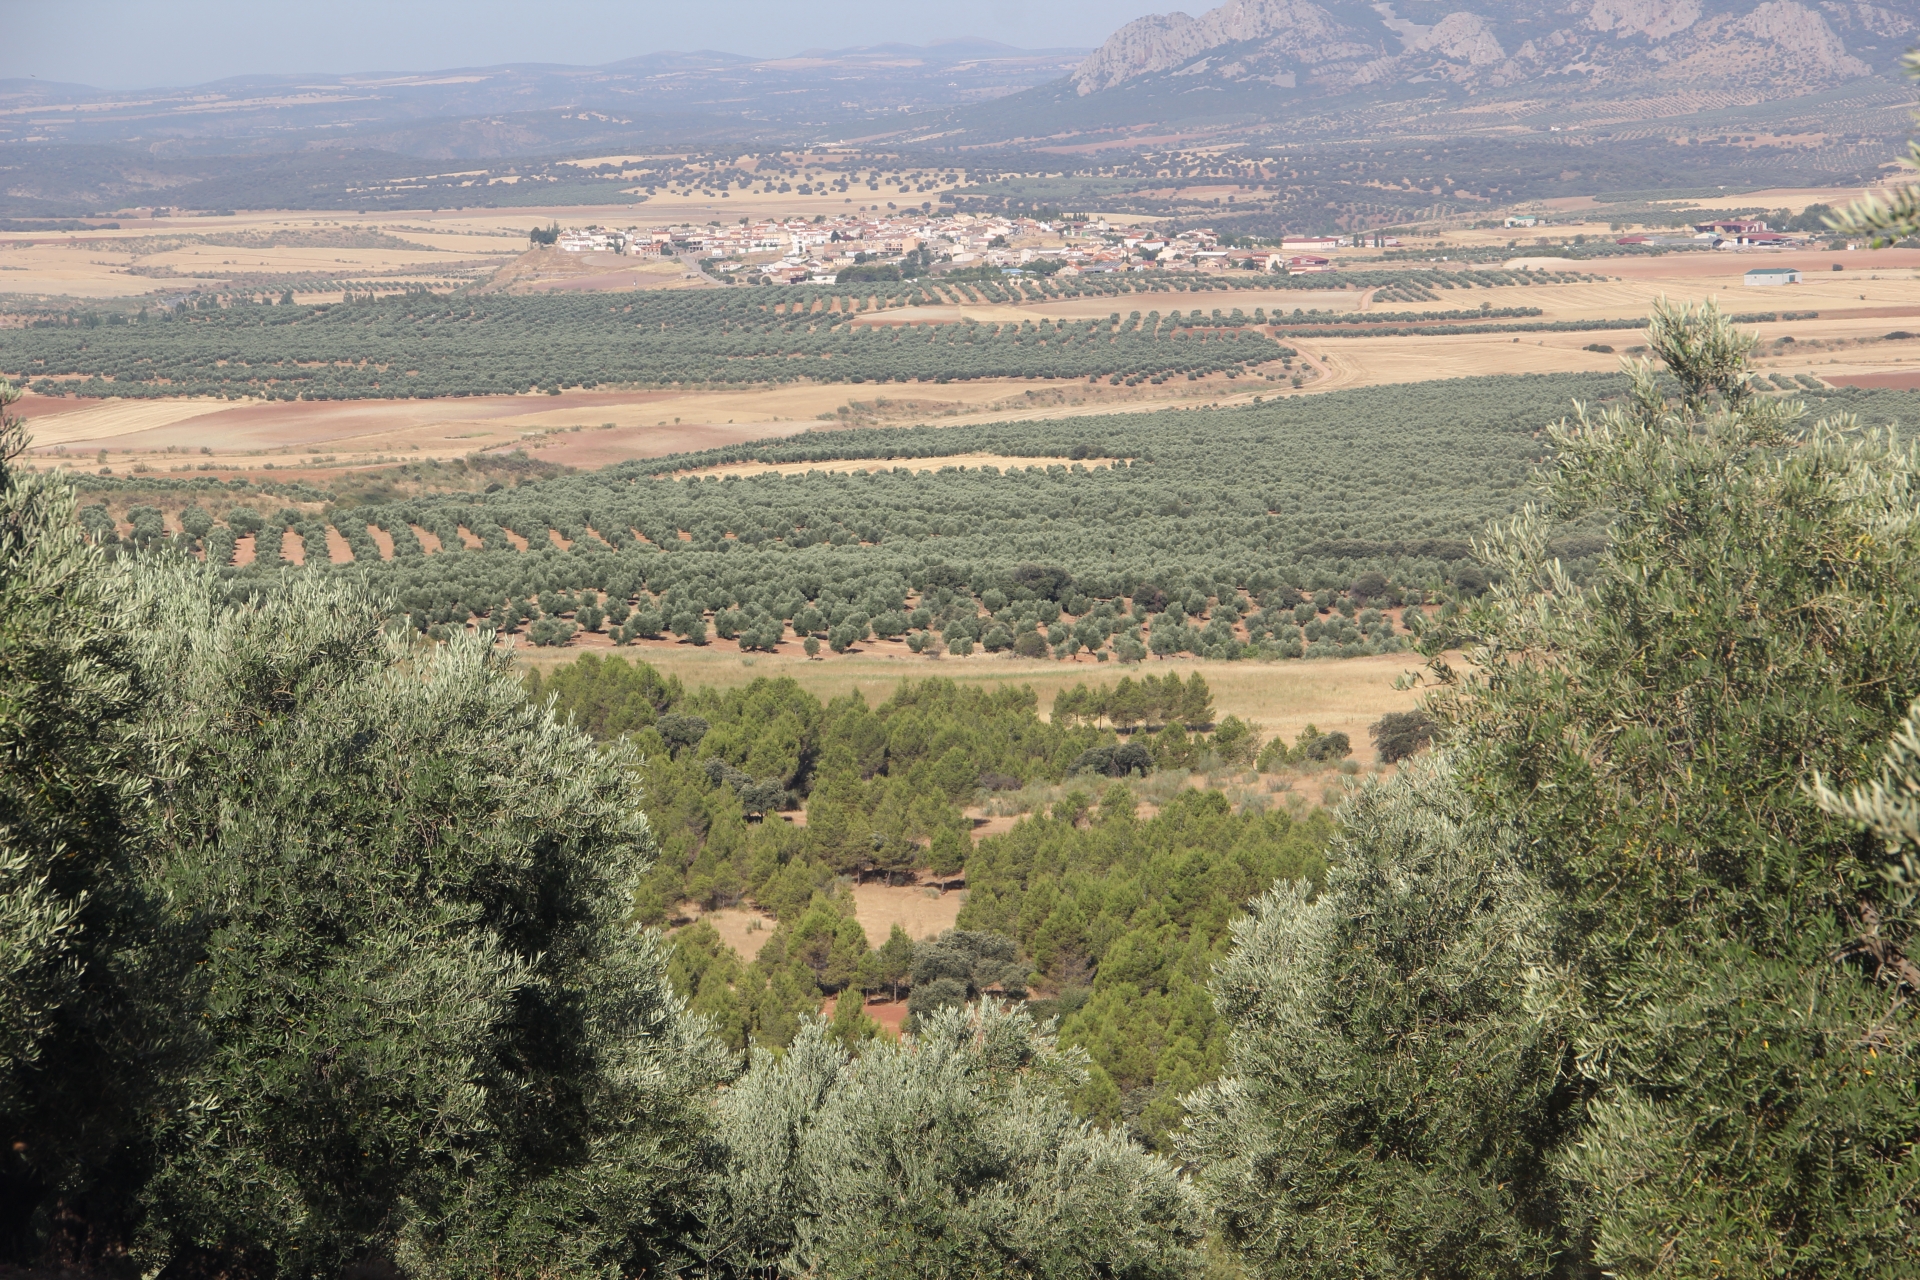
(430, 1033)
(953, 1152)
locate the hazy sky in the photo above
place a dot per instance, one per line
(149, 43)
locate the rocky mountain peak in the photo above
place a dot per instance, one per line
(1338, 46)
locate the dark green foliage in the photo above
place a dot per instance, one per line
(961, 965)
(1390, 481)
(880, 785)
(1137, 913)
(1152, 701)
(393, 1011)
(355, 830)
(89, 1008)
(1398, 734)
(1115, 761)
(1341, 1144)
(608, 697)
(1612, 985)
(1655, 735)
(768, 1001)
(1325, 748)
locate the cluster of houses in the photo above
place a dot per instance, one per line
(1728, 233)
(802, 250)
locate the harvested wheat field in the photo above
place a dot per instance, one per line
(576, 428)
(317, 255)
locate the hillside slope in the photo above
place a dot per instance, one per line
(1604, 47)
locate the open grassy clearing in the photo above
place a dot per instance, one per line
(1282, 698)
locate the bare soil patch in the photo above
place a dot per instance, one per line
(890, 1014)
(1907, 380)
(985, 825)
(554, 271)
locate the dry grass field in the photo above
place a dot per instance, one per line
(577, 428)
(1280, 697)
(264, 250)
(923, 910)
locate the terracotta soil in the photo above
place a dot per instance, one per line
(1908, 380)
(890, 1014)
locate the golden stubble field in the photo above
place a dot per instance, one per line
(577, 428)
(1859, 305)
(163, 257)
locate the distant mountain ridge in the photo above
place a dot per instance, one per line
(532, 108)
(1589, 48)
